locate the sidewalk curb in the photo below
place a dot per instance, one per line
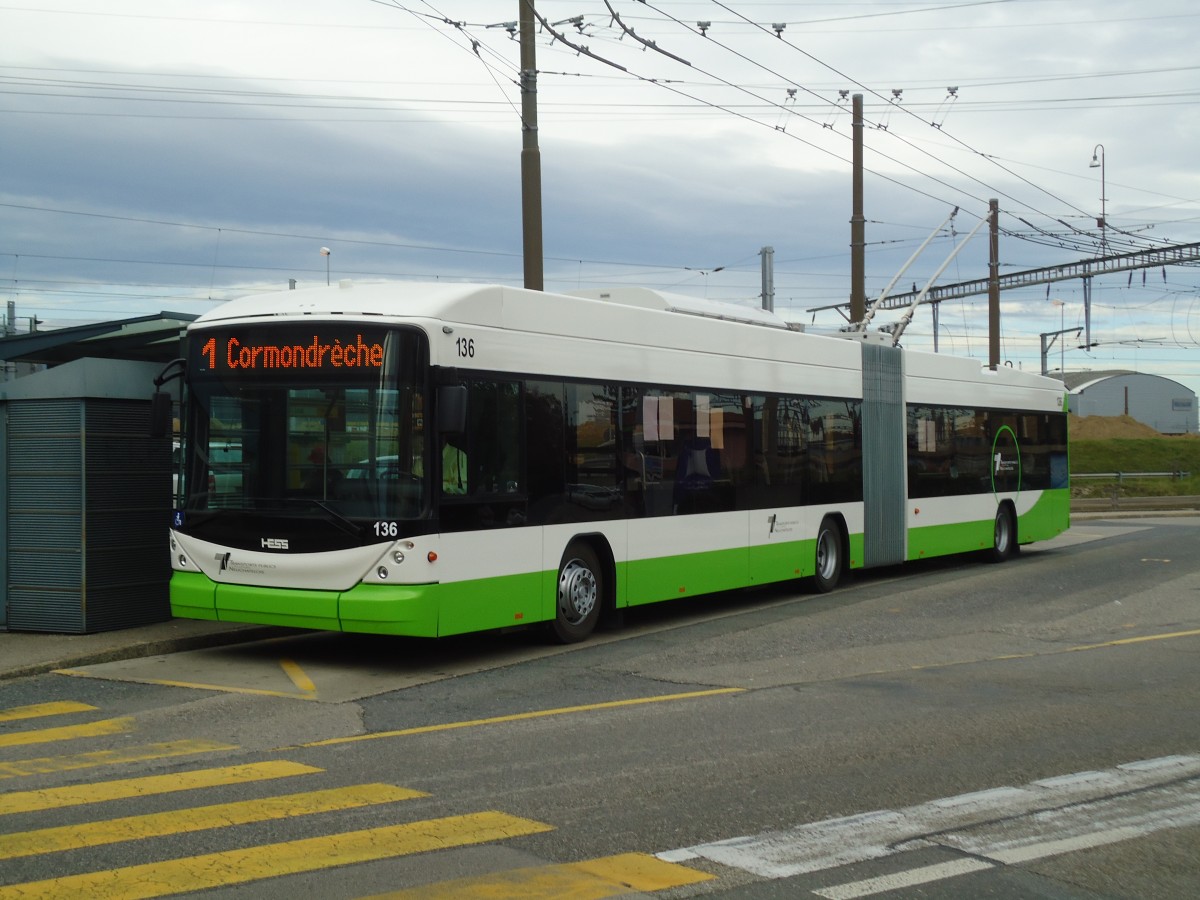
(147, 648)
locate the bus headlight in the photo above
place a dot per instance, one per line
(398, 556)
(382, 572)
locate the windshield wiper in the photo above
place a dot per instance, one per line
(347, 525)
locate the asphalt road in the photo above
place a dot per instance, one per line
(952, 729)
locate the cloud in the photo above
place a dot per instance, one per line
(206, 153)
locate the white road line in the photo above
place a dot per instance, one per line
(999, 823)
(1066, 845)
(1078, 778)
(989, 798)
(1083, 825)
(898, 880)
(1162, 763)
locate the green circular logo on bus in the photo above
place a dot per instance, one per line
(1006, 462)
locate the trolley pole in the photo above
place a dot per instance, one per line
(994, 284)
(858, 227)
(531, 159)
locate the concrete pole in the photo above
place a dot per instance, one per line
(994, 284)
(858, 226)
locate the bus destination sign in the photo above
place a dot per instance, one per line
(267, 351)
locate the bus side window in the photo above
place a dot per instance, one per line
(491, 451)
(661, 425)
(593, 473)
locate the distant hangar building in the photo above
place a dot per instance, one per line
(1165, 405)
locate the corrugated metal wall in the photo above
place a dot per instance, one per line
(45, 516)
(128, 496)
(88, 495)
(884, 440)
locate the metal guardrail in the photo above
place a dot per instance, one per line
(1115, 500)
(1121, 476)
(1133, 504)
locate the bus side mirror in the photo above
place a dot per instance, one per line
(160, 414)
(452, 409)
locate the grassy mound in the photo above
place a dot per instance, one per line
(1102, 444)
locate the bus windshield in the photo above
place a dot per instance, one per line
(322, 421)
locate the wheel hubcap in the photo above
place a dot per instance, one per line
(576, 592)
(826, 555)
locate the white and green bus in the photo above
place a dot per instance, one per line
(434, 459)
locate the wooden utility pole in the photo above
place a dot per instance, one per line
(531, 158)
(858, 223)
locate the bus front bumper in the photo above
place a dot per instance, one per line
(409, 610)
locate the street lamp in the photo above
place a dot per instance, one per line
(1098, 163)
(325, 253)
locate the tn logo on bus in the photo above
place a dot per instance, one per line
(274, 543)
(1002, 465)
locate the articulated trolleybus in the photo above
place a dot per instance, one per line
(434, 459)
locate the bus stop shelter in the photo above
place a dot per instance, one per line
(85, 493)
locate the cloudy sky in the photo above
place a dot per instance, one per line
(169, 155)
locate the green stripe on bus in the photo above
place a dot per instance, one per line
(957, 537)
(690, 574)
(1047, 518)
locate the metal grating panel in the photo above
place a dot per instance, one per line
(32, 609)
(884, 443)
(88, 503)
(45, 522)
(128, 493)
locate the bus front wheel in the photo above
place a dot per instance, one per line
(580, 590)
(828, 569)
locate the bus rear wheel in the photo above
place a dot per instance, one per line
(580, 591)
(828, 570)
(1004, 535)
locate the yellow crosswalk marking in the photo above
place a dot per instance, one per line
(99, 792)
(596, 879)
(197, 873)
(37, 710)
(201, 818)
(46, 765)
(67, 732)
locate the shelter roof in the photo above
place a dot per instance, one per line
(153, 338)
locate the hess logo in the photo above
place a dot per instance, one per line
(274, 543)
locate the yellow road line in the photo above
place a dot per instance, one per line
(213, 870)
(200, 818)
(38, 710)
(1136, 640)
(1039, 654)
(48, 764)
(299, 679)
(99, 792)
(196, 685)
(520, 717)
(596, 879)
(67, 732)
